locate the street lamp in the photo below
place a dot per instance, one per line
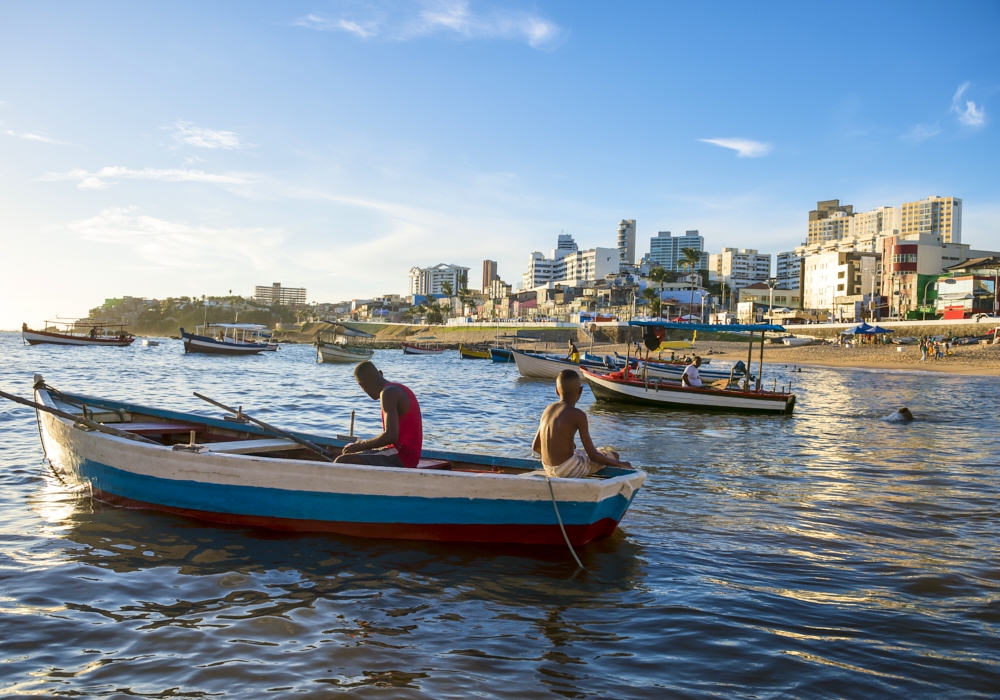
(771, 284)
(950, 280)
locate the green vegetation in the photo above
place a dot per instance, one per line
(168, 316)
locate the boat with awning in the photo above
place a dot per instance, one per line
(228, 339)
(344, 345)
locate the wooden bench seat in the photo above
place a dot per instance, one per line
(156, 428)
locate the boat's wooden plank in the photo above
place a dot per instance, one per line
(242, 447)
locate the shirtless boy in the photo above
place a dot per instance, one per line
(556, 436)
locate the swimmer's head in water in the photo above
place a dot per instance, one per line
(905, 413)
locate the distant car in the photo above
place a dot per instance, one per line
(980, 317)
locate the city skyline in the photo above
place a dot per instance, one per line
(337, 145)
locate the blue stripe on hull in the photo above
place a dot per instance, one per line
(320, 506)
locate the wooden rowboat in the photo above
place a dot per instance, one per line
(472, 353)
(231, 472)
(82, 332)
(409, 349)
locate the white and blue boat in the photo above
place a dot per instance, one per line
(232, 472)
(229, 339)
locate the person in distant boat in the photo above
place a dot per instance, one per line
(574, 354)
(24, 327)
(401, 440)
(691, 376)
(93, 332)
(555, 440)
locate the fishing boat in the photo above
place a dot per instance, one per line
(238, 472)
(501, 355)
(730, 393)
(468, 352)
(78, 332)
(412, 349)
(344, 345)
(228, 339)
(538, 366)
(634, 389)
(798, 341)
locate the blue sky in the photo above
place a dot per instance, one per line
(193, 148)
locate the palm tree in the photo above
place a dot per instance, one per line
(691, 260)
(654, 300)
(448, 289)
(659, 277)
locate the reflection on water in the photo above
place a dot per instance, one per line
(827, 553)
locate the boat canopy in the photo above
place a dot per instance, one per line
(347, 331)
(710, 327)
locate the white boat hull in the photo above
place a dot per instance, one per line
(414, 350)
(43, 338)
(339, 355)
(676, 396)
(541, 366)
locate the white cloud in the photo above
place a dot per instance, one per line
(192, 135)
(106, 176)
(745, 148)
(448, 17)
(36, 137)
(970, 114)
(178, 244)
(921, 132)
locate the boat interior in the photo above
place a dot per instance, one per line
(243, 438)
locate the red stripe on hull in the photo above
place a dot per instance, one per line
(443, 532)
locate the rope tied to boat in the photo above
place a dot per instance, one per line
(563, 527)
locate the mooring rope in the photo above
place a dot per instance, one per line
(561, 526)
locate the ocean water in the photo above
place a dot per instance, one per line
(832, 553)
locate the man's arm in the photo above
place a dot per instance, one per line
(588, 444)
(536, 445)
(390, 400)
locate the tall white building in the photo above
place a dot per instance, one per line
(739, 267)
(569, 265)
(428, 280)
(665, 250)
(626, 242)
(789, 266)
(883, 221)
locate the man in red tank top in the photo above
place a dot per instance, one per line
(402, 435)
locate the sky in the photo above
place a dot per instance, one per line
(190, 148)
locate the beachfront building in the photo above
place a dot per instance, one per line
(838, 282)
(425, 281)
(911, 262)
(789, 267)
(935, 216)
(760, 293)
(739, 268)
(830, 221)
(665, 250)
(276, 295)
(626, 242)
(882, 221)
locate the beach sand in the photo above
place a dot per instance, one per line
(965, 359)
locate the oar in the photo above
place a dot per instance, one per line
(78, 419)
(328, 456)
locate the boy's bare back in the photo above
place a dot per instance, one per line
(557, 432)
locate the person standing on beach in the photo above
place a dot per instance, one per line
(923, 349)
(401, 440)
(555, 440)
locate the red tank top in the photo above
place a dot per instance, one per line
(411, 431)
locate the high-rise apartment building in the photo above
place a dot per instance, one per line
(626, 242)
(570, 265)
(739, 268)
(278, 295)
(883, 221)
(429, 280)
(489, 274)
(665, 250)
(938, 216)
(789, 267)
(830, 221)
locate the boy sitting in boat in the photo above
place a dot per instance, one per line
(401, 439)
(556, 436)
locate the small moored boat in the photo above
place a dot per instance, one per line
(81, 332)
(228, 471)
(344, 345)
(411, 349)
(471, 352)
(228, 339)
